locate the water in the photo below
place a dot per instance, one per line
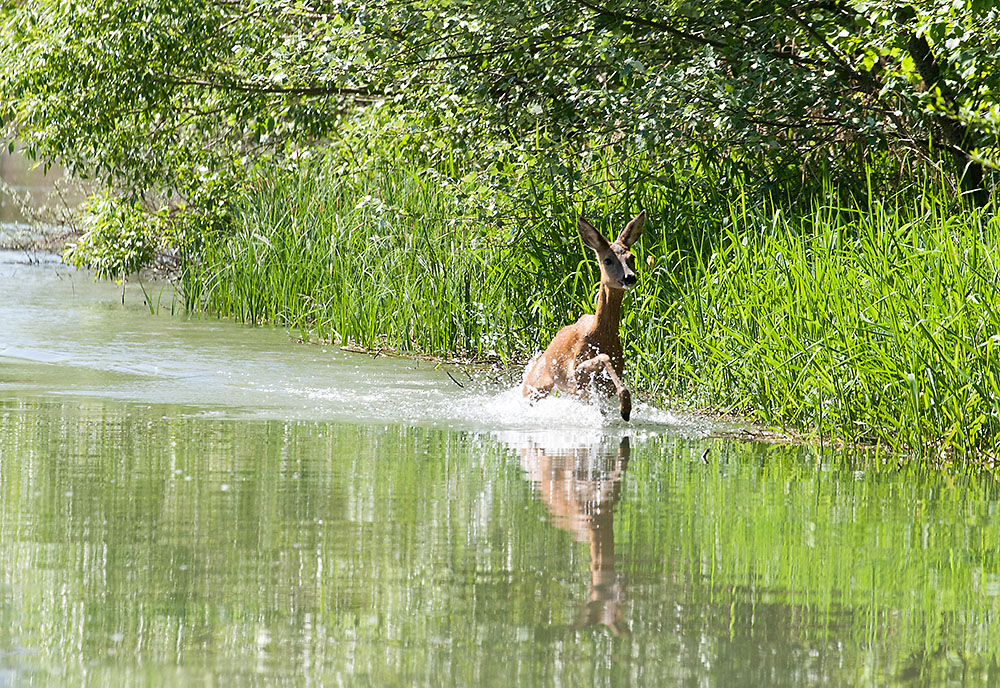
(30, 193)
(189, 501)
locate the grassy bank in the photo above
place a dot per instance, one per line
(874, 324)
(383, 259)
(873, 321)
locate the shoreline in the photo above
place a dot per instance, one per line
(744, 428)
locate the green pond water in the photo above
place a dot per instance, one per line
(192, 502)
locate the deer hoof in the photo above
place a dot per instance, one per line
(625, 404)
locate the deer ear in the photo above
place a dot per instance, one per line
(591, 237)
(632, 230)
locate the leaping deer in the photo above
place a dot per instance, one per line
(587, 355)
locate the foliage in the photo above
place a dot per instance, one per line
(177, 95)
(118, 238)
(405, 173)
(379, 258)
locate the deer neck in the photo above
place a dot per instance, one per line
(609, 312)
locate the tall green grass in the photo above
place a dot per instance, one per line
(871, 320)
(385, 258)
(876, 324)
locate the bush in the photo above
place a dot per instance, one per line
(119, 238)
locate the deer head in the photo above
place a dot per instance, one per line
(616, 260)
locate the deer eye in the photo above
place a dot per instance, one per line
(608, 261)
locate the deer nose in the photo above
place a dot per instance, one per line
(629, 279)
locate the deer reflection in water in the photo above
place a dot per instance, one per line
(580, 487)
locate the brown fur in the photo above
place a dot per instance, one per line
(588, 354)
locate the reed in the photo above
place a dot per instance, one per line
(869, 319)
(875, 324)
(383, 259)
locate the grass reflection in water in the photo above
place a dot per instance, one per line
(145, 544)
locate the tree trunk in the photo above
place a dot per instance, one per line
(957, 135)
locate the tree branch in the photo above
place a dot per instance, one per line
(243, 87)
(956, 133)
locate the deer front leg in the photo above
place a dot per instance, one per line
(585, 372)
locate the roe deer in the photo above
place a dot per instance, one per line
(581, 487)
(588, 354)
